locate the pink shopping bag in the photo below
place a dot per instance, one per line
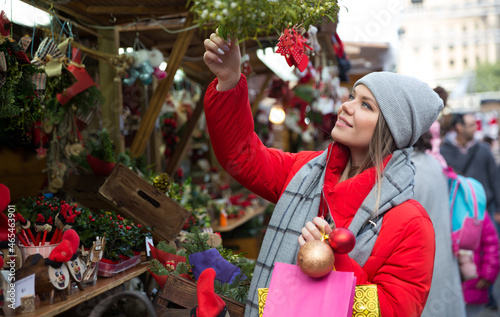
(292, 293)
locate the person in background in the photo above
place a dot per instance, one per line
(471, 158)
(477, 291)
(492, 143)
(364, 180)
(431, 190)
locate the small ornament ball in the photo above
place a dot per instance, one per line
(342, 240)
(315, 258)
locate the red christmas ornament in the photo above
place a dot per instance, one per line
(342, 240)
(291, 45)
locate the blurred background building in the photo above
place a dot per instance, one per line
(454, 44)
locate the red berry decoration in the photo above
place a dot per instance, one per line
(342, 240)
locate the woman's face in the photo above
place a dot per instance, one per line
(357, 119)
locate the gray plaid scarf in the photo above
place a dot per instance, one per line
(300, 202)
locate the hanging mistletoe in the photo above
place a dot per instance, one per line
(249, 18)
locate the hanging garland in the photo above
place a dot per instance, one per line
(20, 105)
(249, 18)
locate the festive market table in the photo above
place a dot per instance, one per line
(103, 284)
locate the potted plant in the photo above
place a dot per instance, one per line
(99, 155)
(124, 240)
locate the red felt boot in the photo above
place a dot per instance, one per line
(209, 303)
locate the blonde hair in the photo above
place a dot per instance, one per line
(381, 145)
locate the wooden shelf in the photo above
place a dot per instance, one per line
(103, 284)
(234, 223)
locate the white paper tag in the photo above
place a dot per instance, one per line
(148, 241)
(24, 287)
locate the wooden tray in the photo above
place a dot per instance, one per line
(128, 194)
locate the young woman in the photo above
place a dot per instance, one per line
(363, 181)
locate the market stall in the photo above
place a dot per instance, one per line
(110, 122)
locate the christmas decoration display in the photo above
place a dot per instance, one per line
(155, 59)
(124, 238)
(316, 258)
(91, 259)
(247, 19)
(196, 242)
(83, 80)
(291, 45)
(209, 303)
(21, 105)
(169, 134)
(246, 68)
(141, 68)
(52, 274)
(75, 265)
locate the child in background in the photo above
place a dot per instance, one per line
(486, 258)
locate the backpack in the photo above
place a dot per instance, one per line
(467, 209)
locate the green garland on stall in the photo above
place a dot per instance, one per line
(83, 102)
(249, 18)
(20, 106)
(196, 241)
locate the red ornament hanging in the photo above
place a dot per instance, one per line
(291, 45)
(246, 68)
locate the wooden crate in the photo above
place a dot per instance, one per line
(128, 194)
(182, 292)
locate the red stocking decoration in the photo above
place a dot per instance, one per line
(209, 303)
(83, 80)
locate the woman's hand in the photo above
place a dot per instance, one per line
(223, 58)
(311, 232)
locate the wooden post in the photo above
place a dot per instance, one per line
(111, 89)
(180, 47)
(174, 161)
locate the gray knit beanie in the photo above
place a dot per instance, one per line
(409, 106)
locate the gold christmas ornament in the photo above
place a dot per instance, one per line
(75, 149)
(315, 258)
(57, 183)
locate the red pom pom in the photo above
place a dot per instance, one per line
(342, 240)
(62, 253)
(72, 237)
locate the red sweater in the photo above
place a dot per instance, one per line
(402, 259)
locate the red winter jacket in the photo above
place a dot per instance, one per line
(402, 259)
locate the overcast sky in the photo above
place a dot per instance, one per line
(369, 20)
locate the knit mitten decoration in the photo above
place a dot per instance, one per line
(211, 258)
(209, 303)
